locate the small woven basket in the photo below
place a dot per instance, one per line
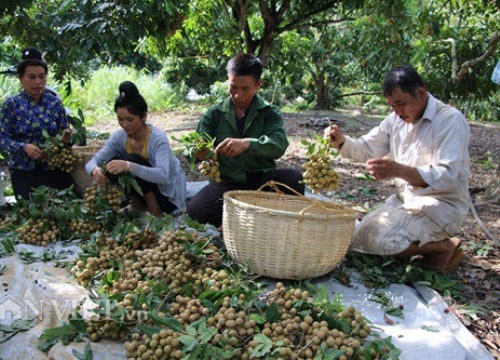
(80, 177)
(286, 236)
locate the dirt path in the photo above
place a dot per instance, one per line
(479, 273)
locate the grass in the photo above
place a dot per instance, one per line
(97, 95)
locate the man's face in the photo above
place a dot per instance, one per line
(242, 89)
(409, 108)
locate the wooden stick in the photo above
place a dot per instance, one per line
(481, 224)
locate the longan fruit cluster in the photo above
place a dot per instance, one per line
(319, 175)
(210, 169)
(79, 226)
(162, 345)
(8, 220)
(85, 271)
(302, 335)
(234, 324)
(96, 196)
(360, 327)
(87, 267)
(103, 329)
(140, 239)
(187, 310)
(13, 219)
(135, 313)
(38, 232)
(62, 157)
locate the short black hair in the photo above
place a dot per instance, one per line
(245, 64)
(130, 98)
(31, 56)
(404, 77)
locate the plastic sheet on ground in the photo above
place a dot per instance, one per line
(47, 294)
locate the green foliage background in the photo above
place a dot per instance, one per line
(317, 52)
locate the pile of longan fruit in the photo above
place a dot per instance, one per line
(110, 252)
(295, 334)
(167, 260)
(38, 232)
(300, 328)
(62, 157)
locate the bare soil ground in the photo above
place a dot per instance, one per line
(480, 271)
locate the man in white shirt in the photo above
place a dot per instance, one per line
(422, 145)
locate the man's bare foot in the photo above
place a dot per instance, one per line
(444, 255)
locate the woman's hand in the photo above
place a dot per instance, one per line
(34, 152)
(66, 136)
(99, 176)
(117, 167)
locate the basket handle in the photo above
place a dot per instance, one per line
(274, 185)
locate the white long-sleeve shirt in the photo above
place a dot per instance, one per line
(438, 147)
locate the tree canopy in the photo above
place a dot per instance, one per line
(311, 48)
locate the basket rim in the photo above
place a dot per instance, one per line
(228, 196)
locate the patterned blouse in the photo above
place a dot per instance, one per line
(22, 121)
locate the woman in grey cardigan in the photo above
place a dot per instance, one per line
(143, 151)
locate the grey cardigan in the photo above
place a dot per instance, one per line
(166, 170)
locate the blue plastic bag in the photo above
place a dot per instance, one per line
(495, 77)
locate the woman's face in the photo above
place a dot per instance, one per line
(129, 122)
(34, 80)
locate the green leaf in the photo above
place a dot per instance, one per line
(66, 329)
(394, 311)
(8, 246)
(7, 331)
(86, 355)
(170, 322)
(257, 318)
(429, 328)
(47, 344)
(148, 330)
(260, 350)
(191, 330)
(263, 339)
(323, 293)
(208, 335)
(189, 342)
(79, 324)
(272, 313)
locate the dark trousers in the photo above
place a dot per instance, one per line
(23, 181)
(146, 187)
(206, 206)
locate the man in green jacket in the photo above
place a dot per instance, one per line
(249, 137)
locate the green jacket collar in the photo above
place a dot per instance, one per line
(257, 104)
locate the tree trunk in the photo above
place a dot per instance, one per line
(323, 93)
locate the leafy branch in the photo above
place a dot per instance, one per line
(195, 144)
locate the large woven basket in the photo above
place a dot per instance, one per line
(80, 177)
(286, 236)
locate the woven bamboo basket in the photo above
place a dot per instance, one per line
(80, 177)
(286, 236)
